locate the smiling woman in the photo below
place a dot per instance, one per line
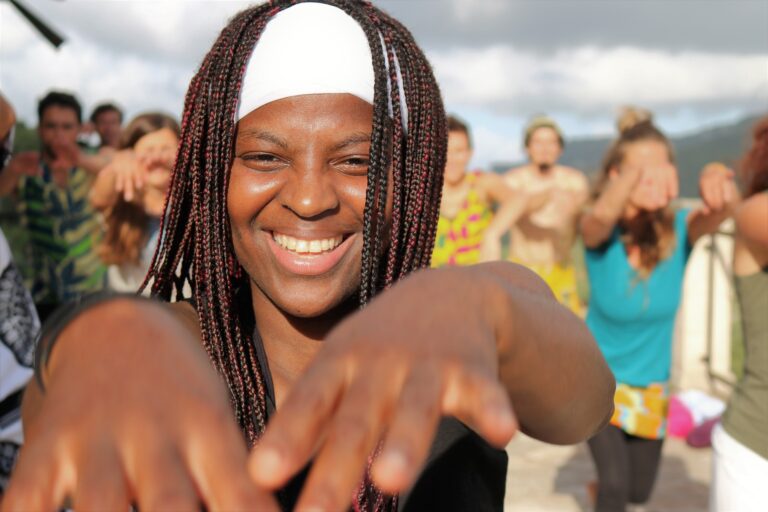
(304, 195)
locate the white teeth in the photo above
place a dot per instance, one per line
(306, 246)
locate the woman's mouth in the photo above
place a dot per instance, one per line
(308, 256)
(302, 246)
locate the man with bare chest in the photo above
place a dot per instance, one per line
(543, 238)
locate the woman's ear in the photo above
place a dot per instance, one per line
(613, 173)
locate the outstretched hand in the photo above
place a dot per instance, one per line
(129, 173)
(387, 374)
(717, 187)
(657, 186)
(26, 163)
(167, 441)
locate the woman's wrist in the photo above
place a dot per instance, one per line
(58, 326)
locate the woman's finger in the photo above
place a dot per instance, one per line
(119, 180)
(715, 191)
(219, 467)
(101, 483)
(138, 177)
(159, 477)
(292, 435)
(351, 439)
(127, 188)
(411, 432)
(482, 403)
(36, 482)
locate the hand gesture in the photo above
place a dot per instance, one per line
(656, 188)
(388, 372)
(717, 187)
(129, 172)
(24, 164)
(127, 419)
(65, 156)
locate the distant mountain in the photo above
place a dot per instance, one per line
(725, 143)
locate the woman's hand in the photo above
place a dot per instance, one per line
(423, 349)
(129, 173)
(717, 187)
(133, 413)
(490, 250)
(26, 163)
(656, 188)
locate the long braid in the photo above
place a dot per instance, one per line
(195, 248)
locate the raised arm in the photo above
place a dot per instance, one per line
(511, 205)
(133, 412)
(22, 164)
(598, 223)
(752, 220)
(720, 196)
(123, 175)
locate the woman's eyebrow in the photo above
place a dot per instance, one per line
(355, 138)
(265, 136)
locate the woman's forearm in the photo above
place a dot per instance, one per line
(598, 223)
(507, 215)
(103, 194)
(559, 383)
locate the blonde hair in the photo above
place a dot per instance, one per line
(542, 121)
(652, 232)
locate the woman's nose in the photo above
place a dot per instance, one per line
(310, 191)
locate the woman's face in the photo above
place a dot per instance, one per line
(296, 199)
(457, 158)
(158, 150)
(658, 178)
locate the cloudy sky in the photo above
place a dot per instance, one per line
(695, 63)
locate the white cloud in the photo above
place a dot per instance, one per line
(474, 11)
(142, 55)
(591, 79)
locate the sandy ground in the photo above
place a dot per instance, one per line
(543, 477)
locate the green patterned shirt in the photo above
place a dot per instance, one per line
(64, 231)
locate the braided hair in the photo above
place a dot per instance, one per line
(196, 247)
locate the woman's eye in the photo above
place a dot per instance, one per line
(261, 160)
(355, 165)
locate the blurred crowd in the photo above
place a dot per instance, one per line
(92, 198)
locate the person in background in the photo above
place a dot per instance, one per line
(18, 328)
(52, 187)
(637, 247)
(133, 222)
(740, 441)
(468, 231)
(543, 238)
(107, 120)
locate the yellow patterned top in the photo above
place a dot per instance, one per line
(459, 238)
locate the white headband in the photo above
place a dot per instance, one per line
(310, 48)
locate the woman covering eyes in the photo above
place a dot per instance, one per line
(302, 210)
(637, 248)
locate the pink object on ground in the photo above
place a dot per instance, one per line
(701, 436)
(679, 418)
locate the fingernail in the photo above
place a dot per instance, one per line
(267, 461)
(503, 416)
(394, 460)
